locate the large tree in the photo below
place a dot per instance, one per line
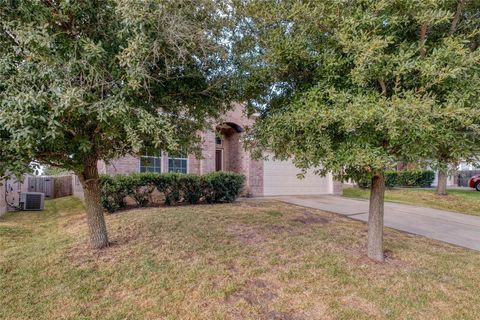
(83, 81)
(351, 87)
(454, 83)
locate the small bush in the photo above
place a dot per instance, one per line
(139, 187)
(191, 187)
(223, 186)
(391, 178)
(167, 183)
(365, 182)
(113, 193)
(176, 187)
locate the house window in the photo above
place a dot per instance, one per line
(177, 163)
(218, 140)
(150, 164)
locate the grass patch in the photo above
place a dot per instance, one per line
(247, 260)
(463, 201)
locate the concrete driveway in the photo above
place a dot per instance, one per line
(455, 228)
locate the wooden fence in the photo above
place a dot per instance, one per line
(62, 186)
(52, 186)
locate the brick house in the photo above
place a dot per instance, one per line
(223, 150)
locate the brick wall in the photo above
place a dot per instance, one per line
(256, 178)
(131, 164)
(207, 163)
(240, 159)
(193, 165)
(127, 164)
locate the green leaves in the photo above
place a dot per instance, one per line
(353, 87)
(101, 79)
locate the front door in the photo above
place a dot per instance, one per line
(218, 160)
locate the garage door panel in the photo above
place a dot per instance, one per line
(280, 178)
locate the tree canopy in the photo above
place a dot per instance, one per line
(82, 81)
(103, 77)
(351, 87)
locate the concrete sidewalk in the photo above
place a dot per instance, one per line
(455, 228)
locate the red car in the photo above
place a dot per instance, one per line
(474, 182)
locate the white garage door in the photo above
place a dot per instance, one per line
(280, 178)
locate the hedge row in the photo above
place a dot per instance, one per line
(406, 178)
(176, 187)
(416, 178)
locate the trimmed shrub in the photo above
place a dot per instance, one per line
(390, 180)
(176, 187)
(113, 193)
(365, 182)
(141, 187)
(427, 179)
(167, 183)
(416, 178)
(191, 187)
(406, 178)
(222, 186)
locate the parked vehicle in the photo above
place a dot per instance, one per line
(474, 182)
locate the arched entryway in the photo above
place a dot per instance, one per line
(229, 152)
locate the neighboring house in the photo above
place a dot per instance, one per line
(463, 168)
(223, 150)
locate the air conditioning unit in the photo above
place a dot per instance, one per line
(32, 200)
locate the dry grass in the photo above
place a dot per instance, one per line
(463, 201)
(248, 260)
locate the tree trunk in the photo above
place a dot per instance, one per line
(442, 183)
(375, 218)
(92, 193)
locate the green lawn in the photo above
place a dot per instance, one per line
(464, 201)
(247, 260)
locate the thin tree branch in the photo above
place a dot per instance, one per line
(383, 86)
(12, 37)
(458, 14)
(475, 44)
(423, 38)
